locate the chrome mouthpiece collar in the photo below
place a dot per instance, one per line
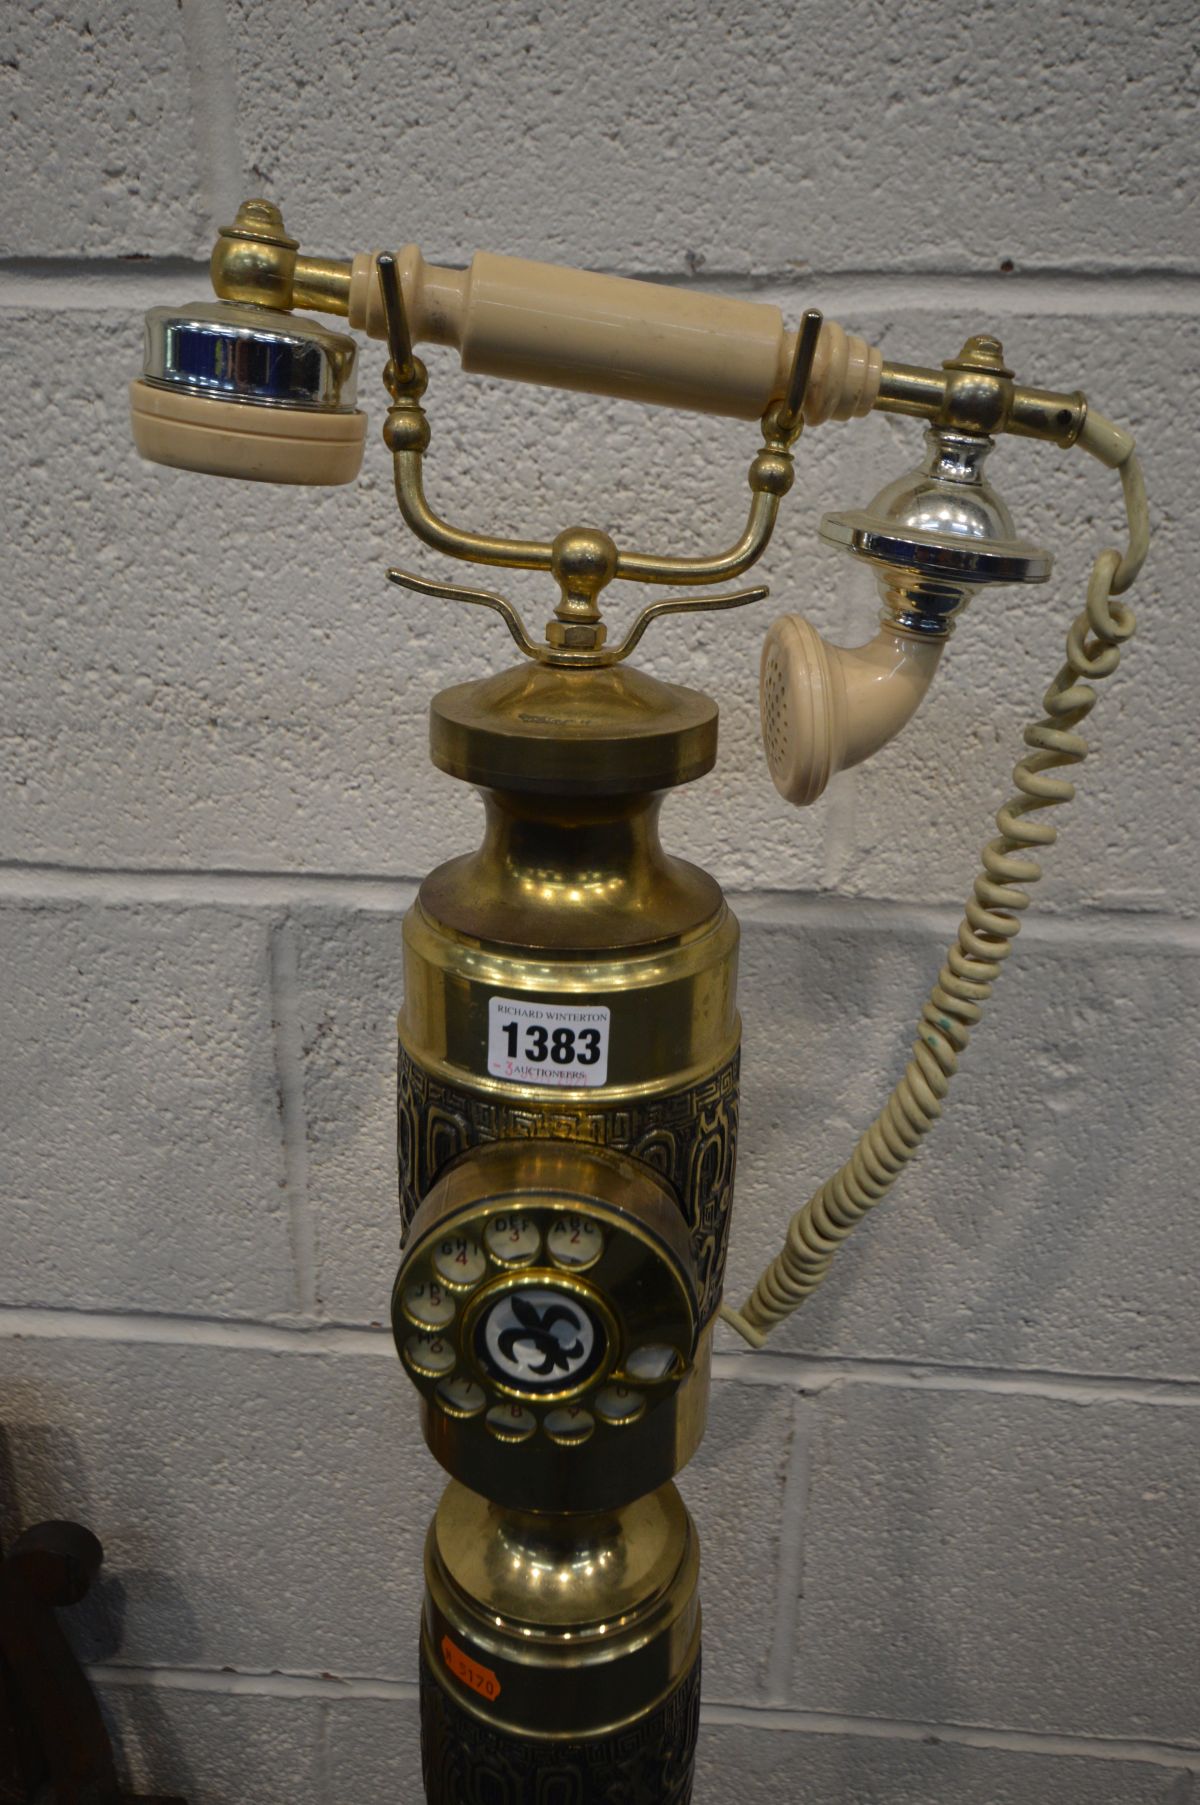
(936, 535)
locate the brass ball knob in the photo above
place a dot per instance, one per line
(583, 559)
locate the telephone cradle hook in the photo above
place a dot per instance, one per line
(582, 560)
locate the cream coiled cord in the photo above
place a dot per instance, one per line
(990, 922)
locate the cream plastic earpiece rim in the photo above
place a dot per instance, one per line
(246, 439)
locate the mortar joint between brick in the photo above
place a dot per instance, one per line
(1181, 1757)
(350, 1689)
(789, 1570)
(211, 73)
(809, 1375)
(804, 910)
(74, 281)
(293, 1122)
(324, 1754)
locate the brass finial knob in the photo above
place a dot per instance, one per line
(979, 387)
(254, 259)
(981, 352)
(582, 561)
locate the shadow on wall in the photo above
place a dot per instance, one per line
(43, 1476)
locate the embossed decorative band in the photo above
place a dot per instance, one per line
(688, 1137)
(649, 1761)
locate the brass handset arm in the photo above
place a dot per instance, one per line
(975, 392)
(537, 554)
(770, 476)
(646, 567)
(458, 542)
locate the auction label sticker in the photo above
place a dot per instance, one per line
(472, 1673)
(534, 1041)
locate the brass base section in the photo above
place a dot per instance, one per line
(588, 733)
(571, 904)
(561, 1628)
(576, 905)
(648, 1761)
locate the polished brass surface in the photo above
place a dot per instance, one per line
(573, 733)
(256, 260)
(582, 561)
(975, 392)
(688, 1135)
(592, 653)
(559, 1575)
(572, 896)
(404, 378)
(322, 283)
(786, 418)
(590, 876)
(582, 1622)
(672, 1011)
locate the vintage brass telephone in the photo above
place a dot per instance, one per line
(568, 1077)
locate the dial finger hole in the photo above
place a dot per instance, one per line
(575, 1242)
(461, 1397)
(512, 1240)
(652, 1361)
(511, 1422)
(569, 1426)
(617, 1404)
(428, 1305)
(430, 1355)
(459, 1261)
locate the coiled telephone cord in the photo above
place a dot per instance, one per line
(986, 933)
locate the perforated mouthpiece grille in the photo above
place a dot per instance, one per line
(774, 710)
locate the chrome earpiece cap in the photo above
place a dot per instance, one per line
(238, 352)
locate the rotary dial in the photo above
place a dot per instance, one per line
(545, 1293)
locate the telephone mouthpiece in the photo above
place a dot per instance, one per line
(235, 389)
(933, 537)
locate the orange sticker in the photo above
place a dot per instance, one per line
(479, 1679)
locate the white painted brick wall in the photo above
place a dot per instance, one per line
(948, 1521)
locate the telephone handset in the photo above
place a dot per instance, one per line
(569, 1040)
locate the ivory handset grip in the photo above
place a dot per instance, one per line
(609, 335)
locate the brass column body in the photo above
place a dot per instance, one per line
(560, 1644)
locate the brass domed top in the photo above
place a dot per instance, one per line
(601, 731)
